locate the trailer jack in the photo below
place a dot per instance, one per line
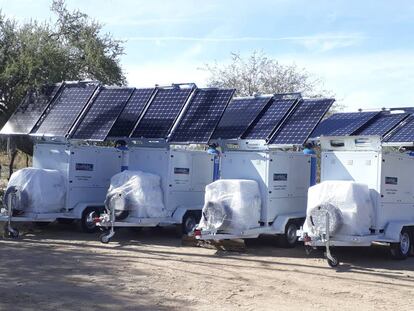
(332, 260)
(107, 235)
(9, 231)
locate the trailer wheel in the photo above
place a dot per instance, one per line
(190, 221)
(334, 262)
(88, 214)
(289, 239)
(402, 249)
(13, 234)
(104, 238)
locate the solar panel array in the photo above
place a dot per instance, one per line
(161, 114)
(404, 134)
(65, 109)
(343, 124)
(382, 124)
(30, 110)
(202, 116)
(299, 125)
(239, 115)
(104, 111)
(131, 113)
(269, 119)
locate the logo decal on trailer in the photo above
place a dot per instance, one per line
(280, 177)
(84, 167)
(182, 170)
(391, 180)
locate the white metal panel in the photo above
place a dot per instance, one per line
(52, 156)
(90, 172)
(362, 166)
(202, 170)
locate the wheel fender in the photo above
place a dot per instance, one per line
(180, 212)
(79, 208)
(279, 224)
(393, 229)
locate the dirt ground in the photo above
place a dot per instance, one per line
(60, 268)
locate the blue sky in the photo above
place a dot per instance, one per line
(362, 50)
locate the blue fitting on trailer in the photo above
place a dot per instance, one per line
(212, 149)
(122, 146)
(308, 150)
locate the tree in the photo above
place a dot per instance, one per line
(260, 74)
(34, 54)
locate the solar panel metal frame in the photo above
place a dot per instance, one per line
(191, 87)
(267, 98)
(292, 96)
(90, 106)
(46, 112)
(146, 104)
(291, 115)
(188, 107)
(59, 89)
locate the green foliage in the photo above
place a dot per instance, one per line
(72, 48)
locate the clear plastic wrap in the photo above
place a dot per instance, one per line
(39, 190)
(138, 192)
(348, 204)
(230, 205)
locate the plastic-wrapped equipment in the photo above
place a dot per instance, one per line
(138, 192)
(231, 204)
(39, 190)
(348, 205)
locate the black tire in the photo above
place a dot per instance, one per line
(190, 221)
(289, 239)
(103, 238)
(65, 221)
(121, 215)
(93, 211)
(402, 249)
(11, 234)
(334, 262)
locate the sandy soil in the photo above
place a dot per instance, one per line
(59, 268)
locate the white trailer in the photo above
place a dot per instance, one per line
(283, 178)
(184, 174)
(86, 169)
(387, 171)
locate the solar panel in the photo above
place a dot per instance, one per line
(382, 124)
(131, 113)
(269, 119)
(30, 110)
(299, 125)
(343, 124)
(162, 113)
(100, 117)
(404, 134)
(65, 109)
(201, 118)
(239, 114)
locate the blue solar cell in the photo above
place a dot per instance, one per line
(403, 134)
(269, 119)
(299, 125)
(162, 113)
(382, 124)
(30, 110)
(343, 124)
(202, 116)
(102, 114)
(64, 111)
(239, 115)
(131, 113)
